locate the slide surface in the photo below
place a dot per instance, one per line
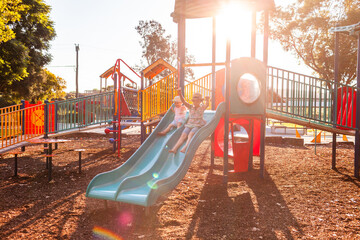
(152, 171)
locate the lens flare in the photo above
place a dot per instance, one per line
(104, 233)
(152, 185)
(125, 219)
(155, 175)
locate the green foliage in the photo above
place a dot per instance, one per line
(24, 57)
(10, 12)
(303, 28)
(156, 44)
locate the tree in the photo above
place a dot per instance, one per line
(10, 12)
(156, 44)
(24, 57)
(303, 28)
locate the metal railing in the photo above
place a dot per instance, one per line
(306, 97)
(80, 112)
(202, 85)
(19, 124)
(289, 93)
(157, 98)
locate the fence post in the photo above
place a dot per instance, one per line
(22, 121)
(56, 116)
(23, 117)
(142, 109)
(357, 123)
(336, 80)
(116, 108)
(46, 116)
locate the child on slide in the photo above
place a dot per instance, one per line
(196, 120)
(180, 113)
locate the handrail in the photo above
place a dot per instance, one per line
(302, 96)
(117, 63)
(21, 124)
(10, 108)
(158, 97)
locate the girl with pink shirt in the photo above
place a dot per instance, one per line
(195, 122)
(180, 113)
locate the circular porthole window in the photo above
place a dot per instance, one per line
(248, 88)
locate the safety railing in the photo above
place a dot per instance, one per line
(10, 118)
(10, 109)
(157, 98)
(202, 85)
(303, 96)
(19, 124)
(80, 112)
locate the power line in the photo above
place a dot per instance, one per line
(62, 66)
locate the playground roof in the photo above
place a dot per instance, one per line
(107, 73)
(157, 67)
(210, 8)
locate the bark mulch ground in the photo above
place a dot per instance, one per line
(299, 198)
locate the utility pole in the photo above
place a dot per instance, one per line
(77, 69)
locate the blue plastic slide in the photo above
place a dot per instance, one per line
(152, 171)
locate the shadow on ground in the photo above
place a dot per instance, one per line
(256, 211)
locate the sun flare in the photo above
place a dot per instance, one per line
(234, 19)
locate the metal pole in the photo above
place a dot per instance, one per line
(357, 134)
(23, 117)
(56, 116)
(142, 109)
(263, 118)
(77, 69)
(181, 52)
(119, 114)
(46, 118)
(251, 136)
(266, 37)
(336, 80)
(316, 139)
(117, 109)
(227, 110)
(253, 34)
(213, 85)
(23, 121)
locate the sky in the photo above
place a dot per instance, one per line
(105, 32)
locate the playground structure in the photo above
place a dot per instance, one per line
(304, 100)
(152, 171)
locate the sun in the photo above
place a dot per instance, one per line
(234, 20)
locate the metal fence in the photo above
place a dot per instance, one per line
(314, 99)
(19, 124)
(157, 98)
(80, 112)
